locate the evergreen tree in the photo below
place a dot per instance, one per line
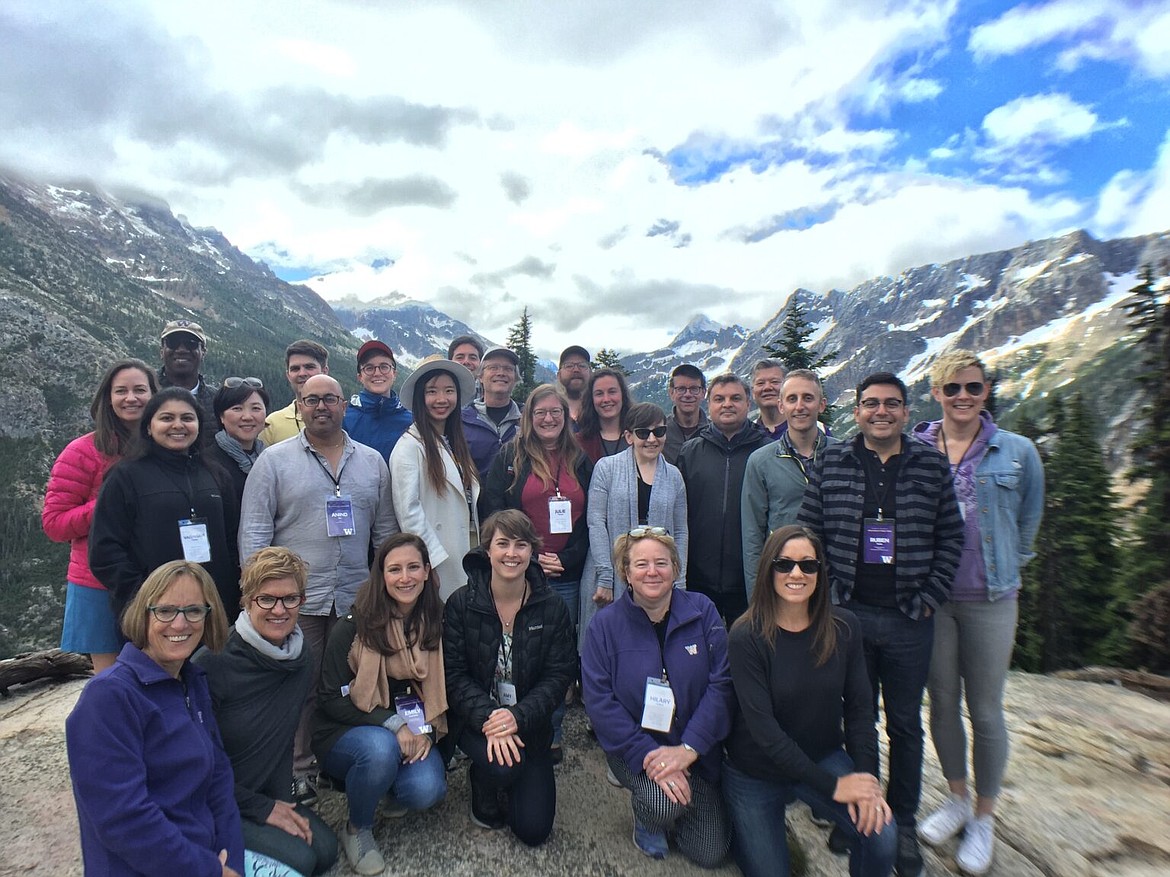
(1072, 594)
(607, 357)
(791, 348)
(1148, 560)
(520, 343)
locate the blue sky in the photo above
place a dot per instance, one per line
(615, 166)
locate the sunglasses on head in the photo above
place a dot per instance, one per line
(232, 383)
(640, 532)
(786, 564)
(644, 432)
(973, 388)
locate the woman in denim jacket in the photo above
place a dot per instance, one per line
(999, 483)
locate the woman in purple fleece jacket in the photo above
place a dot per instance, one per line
(153, 786)
(658, 692)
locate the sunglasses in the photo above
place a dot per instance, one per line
(174, 342)
(288, 601)
(232, 383)
(640, 532)
(644, 432)
(973, 388)
(787, 564)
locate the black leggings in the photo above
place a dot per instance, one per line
(530, 784)
(276, 843)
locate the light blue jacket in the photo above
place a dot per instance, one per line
(1009, 487)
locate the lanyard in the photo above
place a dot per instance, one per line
(955, 466)
(336, 481)
(189, 492)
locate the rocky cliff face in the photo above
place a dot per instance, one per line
(1087, 795)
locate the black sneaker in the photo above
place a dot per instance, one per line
(909, 861)
(304, 790)
(485, 807)
(839, 841)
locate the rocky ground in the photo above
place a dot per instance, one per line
(1088, 794)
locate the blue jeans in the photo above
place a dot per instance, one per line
(761, 841)
(569, 592)
(368, 759)
(897, 656)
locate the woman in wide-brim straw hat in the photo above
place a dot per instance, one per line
(432, 473)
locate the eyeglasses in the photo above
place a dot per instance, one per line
(640, 532)
(554, 413)
(875, 404)
(232, 383)
(288, 601)
(575, 366)
(973, 388)
(377, 368)
(330, 400)
(644, 432)
(787, 564)
(167, 614)
(174, 342)
(688, 391)
(499, 368)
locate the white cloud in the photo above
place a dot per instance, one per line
(1134, 202)
(1040, 118)
(1117, 31)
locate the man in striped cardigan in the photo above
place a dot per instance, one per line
(885, 508)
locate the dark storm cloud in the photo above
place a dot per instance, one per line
(86, 77)
(516, 187)
(530, 266)
(367, 197)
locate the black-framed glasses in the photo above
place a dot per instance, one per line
(166, 614)
(232, 383)
(688, 391)
(640, 532)
(973, 388)
(875, 404)
(177, 340)
(288, 601)
(329, 400)
(786, 564)
(644, 432)
(377, 368)
(575, 366)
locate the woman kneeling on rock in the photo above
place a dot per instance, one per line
(382, 702)
(658, 691)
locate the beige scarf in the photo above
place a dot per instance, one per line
(373, 671)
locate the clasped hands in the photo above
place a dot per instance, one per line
(503, 737)
(868, 809)
(670, 768)
(414, 747)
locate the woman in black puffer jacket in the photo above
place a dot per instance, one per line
(510, 655)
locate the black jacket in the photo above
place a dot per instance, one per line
(136, 523)
(544, 654)
(257, 702)
(712, 469)
(502, 491)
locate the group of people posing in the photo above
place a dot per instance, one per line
(362, 590)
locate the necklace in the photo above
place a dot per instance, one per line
(508, 622)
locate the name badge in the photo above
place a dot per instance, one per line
(193, 536)
(560, 515)
(657, 706)
(411, 709)
(506, 693)
(339, 516)
(879, 541)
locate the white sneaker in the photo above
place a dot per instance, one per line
(947, 821)
(977, 847)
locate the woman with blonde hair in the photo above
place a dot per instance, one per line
(151, 780)
(999, 483)
(258, 684)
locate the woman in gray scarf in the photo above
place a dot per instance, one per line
(240, 407)
(258, 684)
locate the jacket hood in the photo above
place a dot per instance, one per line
(927, 430)
(378, 404)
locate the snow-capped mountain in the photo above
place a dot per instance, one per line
(702, 343)
(413, 329)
